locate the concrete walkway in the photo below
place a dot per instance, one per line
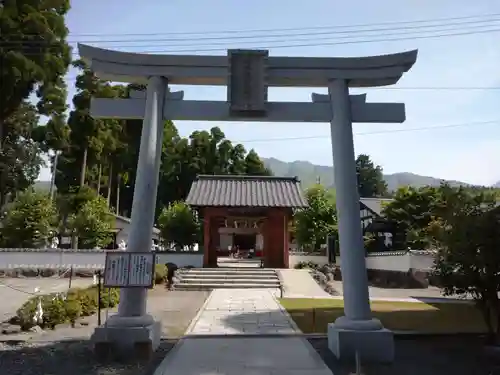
(300, 284)
(214, 344)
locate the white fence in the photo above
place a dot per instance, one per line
(402, 261)
(295, 258)
(422, 260)
(81, 258)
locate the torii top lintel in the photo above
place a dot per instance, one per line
(130, 67)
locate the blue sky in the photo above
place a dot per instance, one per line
(468, 153)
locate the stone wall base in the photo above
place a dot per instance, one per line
(413, 279)
(44, 272)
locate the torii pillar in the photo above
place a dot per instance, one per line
(357, 331)
(132, 329)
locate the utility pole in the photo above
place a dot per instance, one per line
(53, 178)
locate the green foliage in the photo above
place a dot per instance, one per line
(104, 153)
(77, 197)
(93, 141)
(318, 221)
(73, 309)
(92, 223)
(179, 225)
(28, 221)
(161, 272)
(306, 265)
(20, 157)
(34, 55)
(254, 166)
(413, 209)
(371, 181)
(467, 236)
(57, 310)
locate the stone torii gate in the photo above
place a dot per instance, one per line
(247, 75)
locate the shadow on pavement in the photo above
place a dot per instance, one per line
(429, 355)
(70, 357)
(422, 355)
(439, 318)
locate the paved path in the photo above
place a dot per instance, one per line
(300, 284)
(214, 345)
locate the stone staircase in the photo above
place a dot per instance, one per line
(226, 277)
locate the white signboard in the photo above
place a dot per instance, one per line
(128, 270)
(141, 270)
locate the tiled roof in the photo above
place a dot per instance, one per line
(129, 221)
(376, 204)
(246, 191)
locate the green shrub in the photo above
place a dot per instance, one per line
(56, 310)
(109, 297)
(308, 265)
(161, 271)
(73, 310)
(87, 299)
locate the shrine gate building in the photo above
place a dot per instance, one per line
(247, 213)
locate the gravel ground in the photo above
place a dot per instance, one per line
(456, 355)
(71, 357)
(15, 291)
(67, 350)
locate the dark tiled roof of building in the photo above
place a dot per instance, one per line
(376, 204)
(246, 191)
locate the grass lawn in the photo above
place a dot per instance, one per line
(313, 315)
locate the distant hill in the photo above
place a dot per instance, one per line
(309, 174)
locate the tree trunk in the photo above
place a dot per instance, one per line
(118, 182)
(110, 180)
(99, 176)
(74, 238)
(3, 193)
(84, 166)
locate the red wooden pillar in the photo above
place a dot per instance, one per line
(214, 239)
(286, 246)
(206, 239)
(209, 250)
(276, 242)
(267, 242)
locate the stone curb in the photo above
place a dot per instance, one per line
(162, 367)
(285, 312)
(198, 314)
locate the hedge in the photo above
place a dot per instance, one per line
(59, 308)
(76, 303)
(161, 272)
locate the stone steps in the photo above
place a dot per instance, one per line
(199, 276)
(206, 286)
(226, 278)
(190, 280)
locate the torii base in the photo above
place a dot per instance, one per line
(371, 345)
(138, 342)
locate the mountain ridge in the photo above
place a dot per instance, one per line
(309, 174)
